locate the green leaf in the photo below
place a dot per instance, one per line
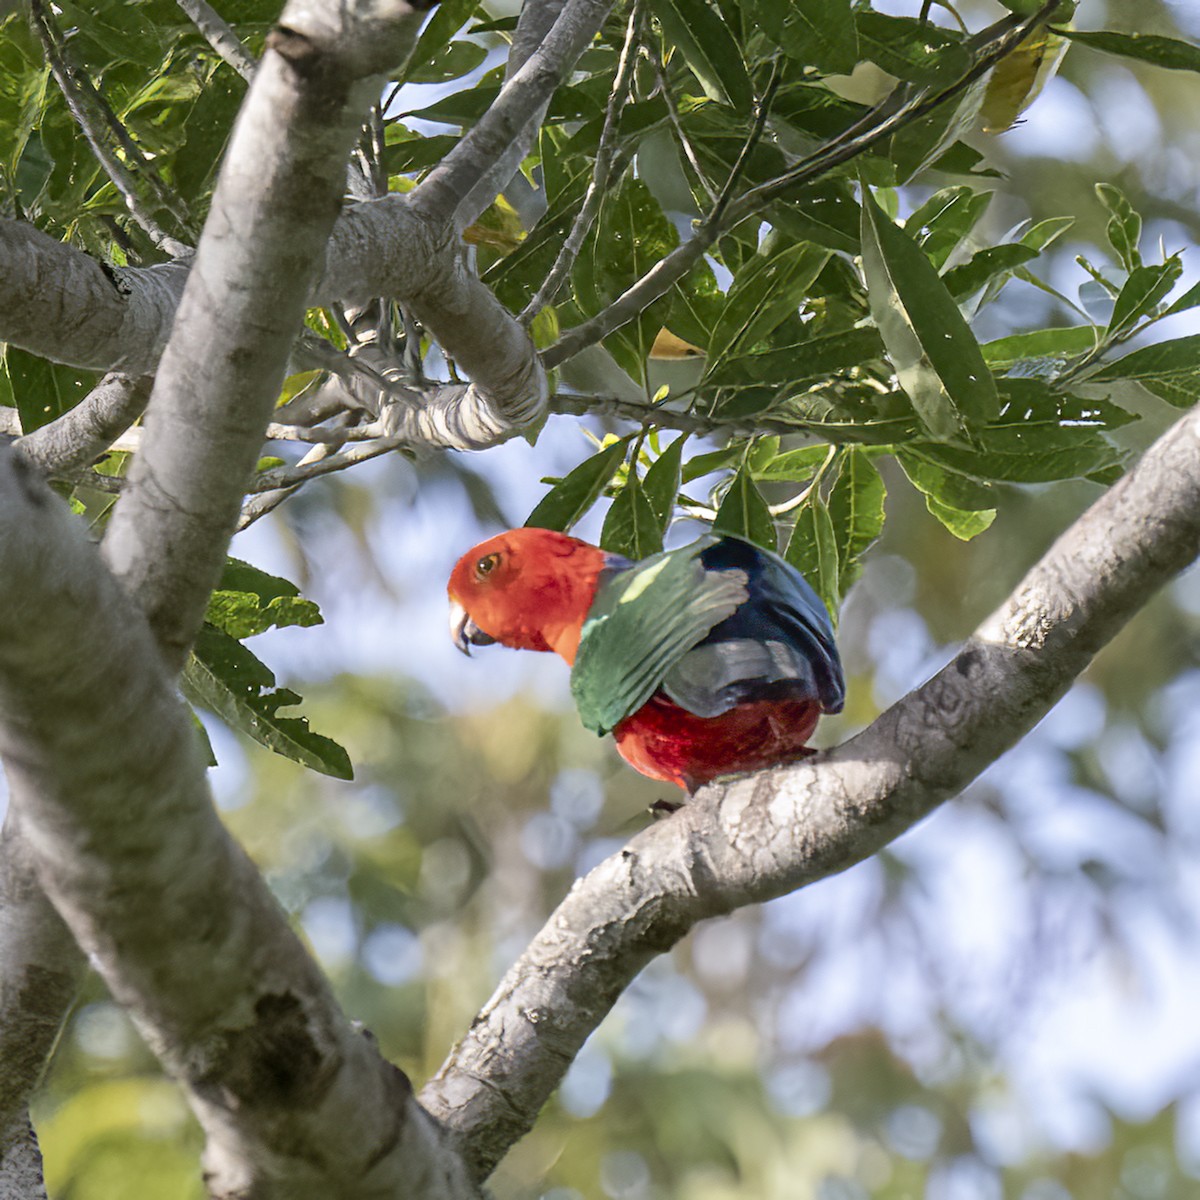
(1171, 370)
(41, 390)
(1054, 344)
(449, 17)
(745, 514)
(1189, 299)
(924, 142)
(936, 357)
(225, 678)
(802, 362)
(1041, 436)
(662, 482)
(452, 61)
(700, 465)
(631, 234)
(816, 33)
(1160, 51)
(912, 50)
(939, 224)
(249, 601)
(813, 551)
(1141, 294)
(856, 511)
(631, 526)
(948, 487)
(710, 49)
(984, 266)
(1124, 227)
(1041, 234)
(964, 525)
(569, 499)
(767, 290)
(792, 465)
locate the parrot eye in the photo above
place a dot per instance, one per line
(485, 566)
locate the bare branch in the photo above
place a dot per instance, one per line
(220, 36)
(20, 1163)
(108, 781)
(605, 169)
(40, 970)
(69, 444)
(467, 180)
(760, 836)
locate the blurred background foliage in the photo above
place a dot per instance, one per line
(1002, 1005)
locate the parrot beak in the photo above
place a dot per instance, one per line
(464, 632)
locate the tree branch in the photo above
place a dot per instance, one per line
(602, 173)
(107, 779)
(40, 971)
(760, 836)
(67, 445)
(220, 36)
(467, 180)
(273, 210)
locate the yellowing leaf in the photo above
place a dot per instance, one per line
(1016, 80)
(668, 346)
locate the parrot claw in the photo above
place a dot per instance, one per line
(664, 808)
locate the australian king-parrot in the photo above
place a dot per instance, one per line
(712, 659)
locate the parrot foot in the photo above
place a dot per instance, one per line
(661, 809)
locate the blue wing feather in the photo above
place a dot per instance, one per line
(778, 644)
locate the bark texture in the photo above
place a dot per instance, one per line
(107, 779)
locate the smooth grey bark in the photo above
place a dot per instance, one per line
(40, 971)
(107, 778)
(273, 1070)
(763, 835)
(464, 183)
(70, 443)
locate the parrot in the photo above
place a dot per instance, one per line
(715, 658)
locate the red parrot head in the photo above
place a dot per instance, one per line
(528, 588)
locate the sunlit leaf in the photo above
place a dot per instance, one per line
(1171, 370)
(569, 499)
(744, 512)
(856, 510)
(936, 357)
(225, 678)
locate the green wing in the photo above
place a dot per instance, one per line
(641, 623)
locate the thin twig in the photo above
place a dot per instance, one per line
(689, 150)
(606, 162)
(761, 112)
(90, 118)
(220, 36)
(289, 477)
